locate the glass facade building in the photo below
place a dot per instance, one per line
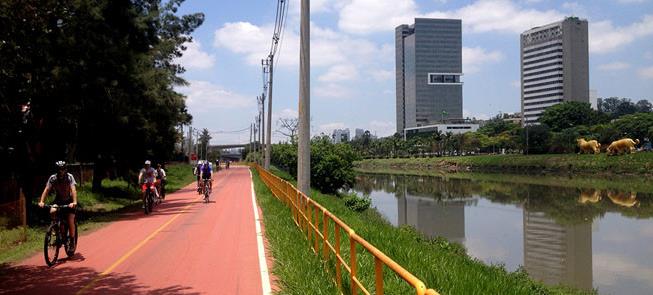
(428, 71)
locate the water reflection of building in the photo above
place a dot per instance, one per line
(444, 218)
(557, 254)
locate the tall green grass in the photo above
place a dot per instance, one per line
(297, 269)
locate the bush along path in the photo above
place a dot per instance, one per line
(440, 264)
(95, 210)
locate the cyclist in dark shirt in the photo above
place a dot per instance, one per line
(63, 184)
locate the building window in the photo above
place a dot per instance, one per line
(444, 78)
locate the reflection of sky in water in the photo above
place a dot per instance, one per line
(621, 258)
(623, 255)
(494, 233)
(386, 204)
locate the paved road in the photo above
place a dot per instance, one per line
(185, 246)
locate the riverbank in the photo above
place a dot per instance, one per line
(631, 164)
(95, 210)
(442, 265)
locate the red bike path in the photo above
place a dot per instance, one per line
(185, 246)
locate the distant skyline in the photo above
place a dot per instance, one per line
(352, 52)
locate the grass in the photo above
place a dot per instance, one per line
(638, 163)
(439, 264)
(295, 266)
(96, 210)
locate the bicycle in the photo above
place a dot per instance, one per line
(150, 198)
(57, 235)
(207, 190)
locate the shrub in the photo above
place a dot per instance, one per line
(356, 203)
(332, 165)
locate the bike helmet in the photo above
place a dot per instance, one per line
(148, 162)
(61, 164)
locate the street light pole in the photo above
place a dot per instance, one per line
(268, 133)
(304, 110)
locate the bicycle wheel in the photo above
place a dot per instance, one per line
(206, 192)
(150, 202)
(70, 251)
(146, 205)
(51, 245)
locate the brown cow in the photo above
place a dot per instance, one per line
(625, 146)
(591, 146)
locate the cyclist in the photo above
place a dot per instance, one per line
(227, 164)
(63, 184)
(147, 175)
(196, 172)
(206, 172)
(217, 165)
(161, 179)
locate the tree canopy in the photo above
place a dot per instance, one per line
(568, 114)
(91, 80)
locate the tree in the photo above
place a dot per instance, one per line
(496, 126)
(288, 128)
(567, 115)
(644, 106)
(203, 142)
(616, 107)
(98, 77)
(535, 139)
(635, 126)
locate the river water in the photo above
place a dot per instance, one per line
(581, 237)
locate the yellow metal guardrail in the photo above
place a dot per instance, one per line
(319, 225)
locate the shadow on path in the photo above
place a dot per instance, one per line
(61, 279)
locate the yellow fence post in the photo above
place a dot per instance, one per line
(378, 274)
(325, 234)
(352, 264)
(306, 214)
(338, 271)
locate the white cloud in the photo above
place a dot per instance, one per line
(575, 8)
(500, 16)
(328, 47)
(203, 96)
(646, 73)
(614, 66)
(382, 128)
(605, 37)
(469, 114)
(475, 57)
(382, 75)
(480, 16)
(244, 37)
(367, 16)
(337, 73)
(333, 90)
(285, 113)
(195, 58)
(329, 127)
(632, 1)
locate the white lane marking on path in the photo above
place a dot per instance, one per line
(265, 277)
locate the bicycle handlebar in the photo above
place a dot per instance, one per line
(56, 206)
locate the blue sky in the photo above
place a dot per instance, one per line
(352, 57)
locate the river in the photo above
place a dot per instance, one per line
(581, 237)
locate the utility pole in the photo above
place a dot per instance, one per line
(268, 133)
(304, 110)
(190, 142)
